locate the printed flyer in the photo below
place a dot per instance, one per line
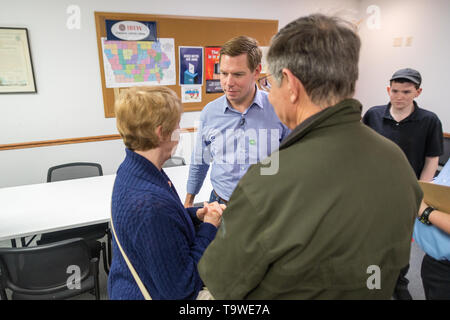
(191, 65)
(212, 70)
(191, 94)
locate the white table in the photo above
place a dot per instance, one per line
(46, 207)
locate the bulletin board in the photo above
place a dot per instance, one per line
(186, 31)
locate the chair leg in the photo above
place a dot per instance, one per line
(105, 263)
(109, 237)
(29, 242)
(94, 268)
(3, 295)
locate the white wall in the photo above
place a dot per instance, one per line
(429, 24)
(69, 101)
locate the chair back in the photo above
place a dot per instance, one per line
(45, 270)
(74, 170)
(91, 233)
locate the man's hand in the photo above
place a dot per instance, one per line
(189, 202)
(212, 213)
(209, 206)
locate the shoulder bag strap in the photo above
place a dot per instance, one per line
(130, 266)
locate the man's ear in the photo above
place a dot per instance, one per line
(294, 85)
(419, 91)
(257, 72)
(388, 90)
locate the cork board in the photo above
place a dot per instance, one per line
(186, 31)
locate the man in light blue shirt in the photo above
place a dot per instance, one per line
(236, 130)
(433, 236)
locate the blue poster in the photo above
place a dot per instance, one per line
(131, 30)
(191, 65)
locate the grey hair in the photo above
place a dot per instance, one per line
(322, 52)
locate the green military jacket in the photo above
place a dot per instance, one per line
(333, 221)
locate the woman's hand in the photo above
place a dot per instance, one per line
(202, 211)
(211, 213)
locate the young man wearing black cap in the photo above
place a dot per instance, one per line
(418, 132)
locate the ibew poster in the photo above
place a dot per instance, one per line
(191, 65)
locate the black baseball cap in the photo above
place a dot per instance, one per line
(409, 74)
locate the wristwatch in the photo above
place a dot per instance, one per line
(425, 215)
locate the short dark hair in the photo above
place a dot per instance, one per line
(404, 80)
(322, 52)
(240, 45)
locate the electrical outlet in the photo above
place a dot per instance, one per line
(398, 42)
(409, 41)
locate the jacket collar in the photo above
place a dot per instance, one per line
(413, 116)
(144, 169)
(348, 110)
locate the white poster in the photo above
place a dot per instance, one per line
(264, 66)
(191, 94)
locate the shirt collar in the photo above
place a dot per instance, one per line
(412, 117)
(257, 101)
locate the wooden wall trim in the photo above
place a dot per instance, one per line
(49, 143)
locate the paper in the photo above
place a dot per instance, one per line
(16, 71)
(139, 63)
(212, 70)
(264, 66)
(436, 196)
(191, 94)
(191, 65)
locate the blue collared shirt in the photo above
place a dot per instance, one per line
(232, 141)
(432, 240)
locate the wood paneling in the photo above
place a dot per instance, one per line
(48, 143)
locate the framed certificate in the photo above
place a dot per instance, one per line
(16, 67)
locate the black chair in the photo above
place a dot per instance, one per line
(75, 170)
(90, 233)
(56, 271)
(174, 162)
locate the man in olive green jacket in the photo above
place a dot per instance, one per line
(336, 220)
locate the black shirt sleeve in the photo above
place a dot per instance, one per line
(435, 138)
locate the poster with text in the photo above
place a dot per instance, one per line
(212, 70)
(191, 65)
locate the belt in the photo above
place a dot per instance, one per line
(221, 199)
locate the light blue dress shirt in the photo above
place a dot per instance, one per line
(232, 141)
(432, 240)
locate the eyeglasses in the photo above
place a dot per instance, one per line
(264, 83)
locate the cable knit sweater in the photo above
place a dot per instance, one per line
(162, 239)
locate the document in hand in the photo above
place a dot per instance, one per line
(437, 196)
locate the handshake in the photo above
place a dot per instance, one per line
(211, 213)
